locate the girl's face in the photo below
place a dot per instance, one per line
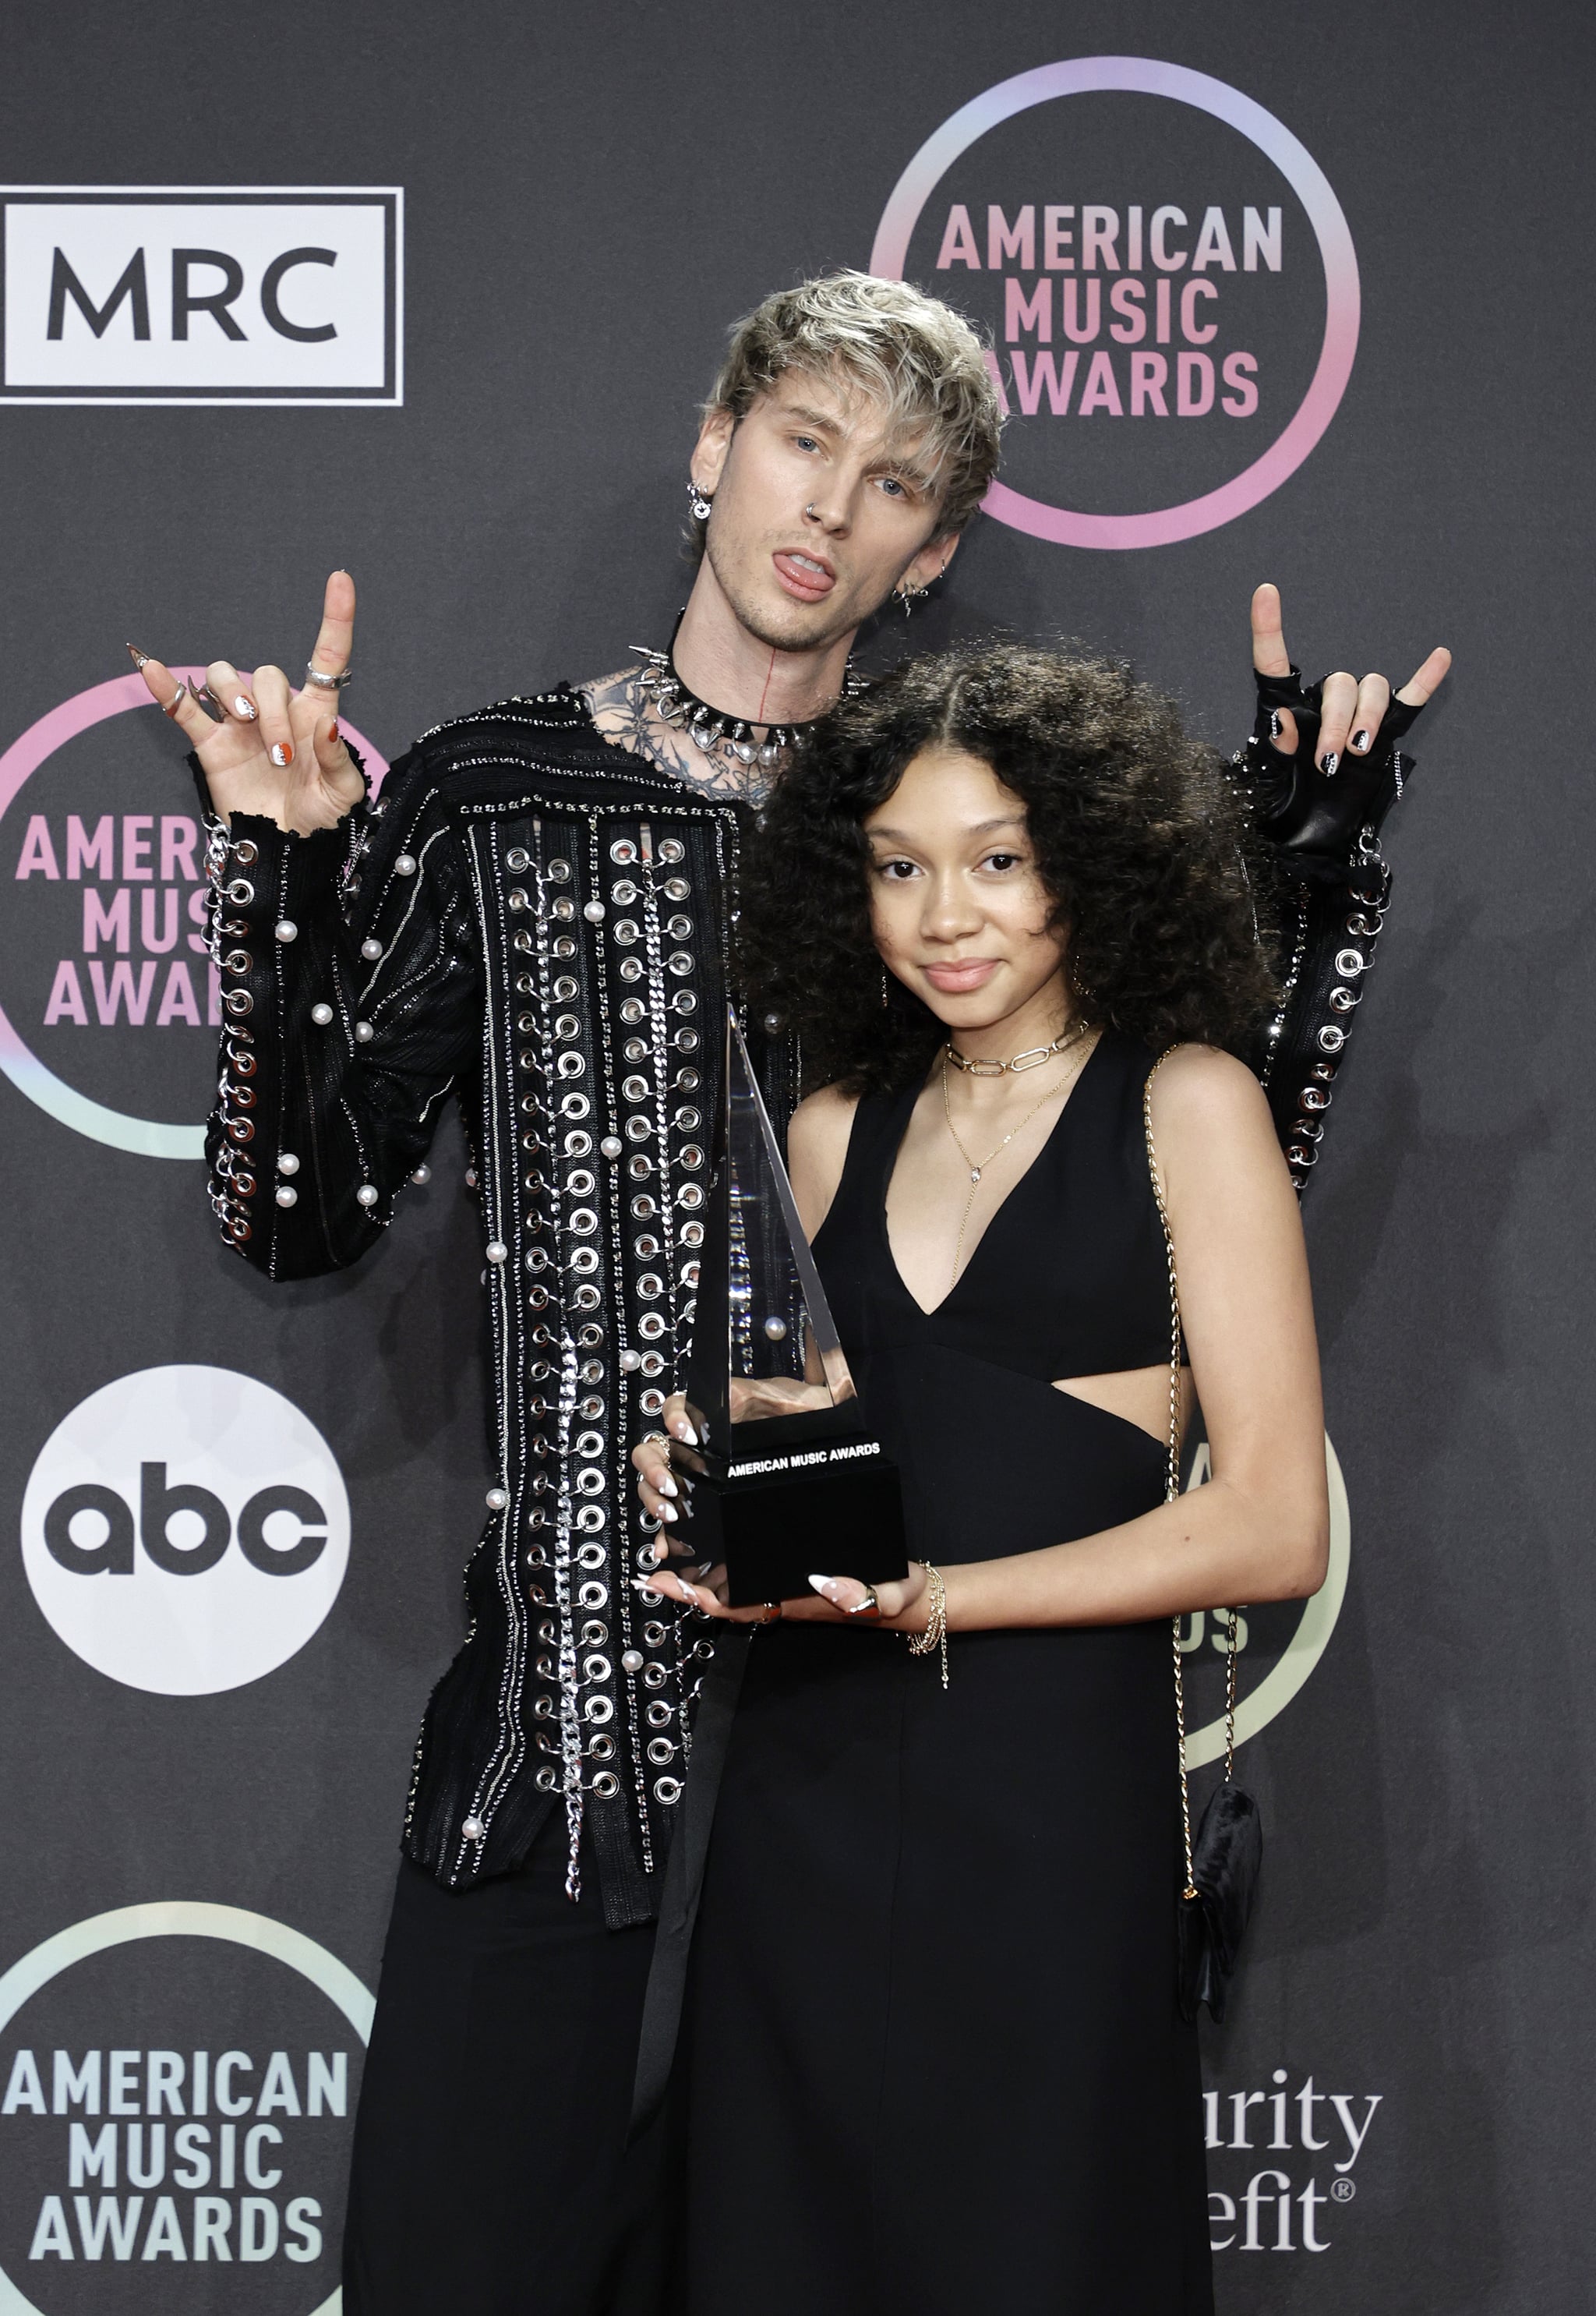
(958, 909)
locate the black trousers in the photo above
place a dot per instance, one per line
(490, 2175)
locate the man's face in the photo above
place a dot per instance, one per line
(818, 513)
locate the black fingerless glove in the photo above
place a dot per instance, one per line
(1323, 831)
(1316, 822)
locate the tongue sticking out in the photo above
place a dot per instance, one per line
(800, 577)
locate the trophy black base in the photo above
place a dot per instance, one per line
(774, 1529)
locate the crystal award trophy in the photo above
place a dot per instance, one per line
(786, 1477)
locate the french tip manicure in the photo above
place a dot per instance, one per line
(690, 1435)
(668, 1512)
(139, 659)
(821, 1582)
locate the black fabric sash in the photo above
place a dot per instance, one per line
(684, 1875)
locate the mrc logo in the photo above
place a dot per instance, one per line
(165, 294)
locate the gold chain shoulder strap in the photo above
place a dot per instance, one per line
(1172, 1487)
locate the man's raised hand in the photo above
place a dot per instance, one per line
(1349, 713)
(276, 751)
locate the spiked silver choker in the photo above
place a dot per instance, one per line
(707, 728)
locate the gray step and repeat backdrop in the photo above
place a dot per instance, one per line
(1299, 294)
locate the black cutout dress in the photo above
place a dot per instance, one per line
(934, 2064)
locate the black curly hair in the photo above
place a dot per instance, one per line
(1140, 838)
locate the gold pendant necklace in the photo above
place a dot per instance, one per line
(1070, 1038)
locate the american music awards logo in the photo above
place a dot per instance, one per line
(1167, 281)
(177, 2089)
(109, 1007)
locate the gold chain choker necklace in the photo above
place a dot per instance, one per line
(1032, 1058)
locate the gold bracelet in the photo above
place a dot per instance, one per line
(935, 1635)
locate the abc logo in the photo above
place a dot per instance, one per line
(185, 1530)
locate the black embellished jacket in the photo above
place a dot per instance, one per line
(537, 922)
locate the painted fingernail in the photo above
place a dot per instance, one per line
(1359, 741)
(1328, 764)
(333, 729)
(245, 707)
(666, 1485)
(826, 1584)
(668, 1512)
(1277, 724)
(282, 753)
(703, 1567)
(686, 1431)
(139, 659)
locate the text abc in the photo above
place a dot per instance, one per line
(159, 1504)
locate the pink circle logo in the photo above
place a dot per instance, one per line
(1137, 255)
(41, 854)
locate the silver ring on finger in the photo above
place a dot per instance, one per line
(313, 674)
(204, 697)
(869, 1607)
(176, 702)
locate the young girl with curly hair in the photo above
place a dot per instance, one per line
(933, 2061)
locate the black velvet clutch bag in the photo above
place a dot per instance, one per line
(1213, 1908)
(1223, 1859)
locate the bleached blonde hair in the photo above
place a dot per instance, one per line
(920, 361)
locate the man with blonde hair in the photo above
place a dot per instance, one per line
(533, 916)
